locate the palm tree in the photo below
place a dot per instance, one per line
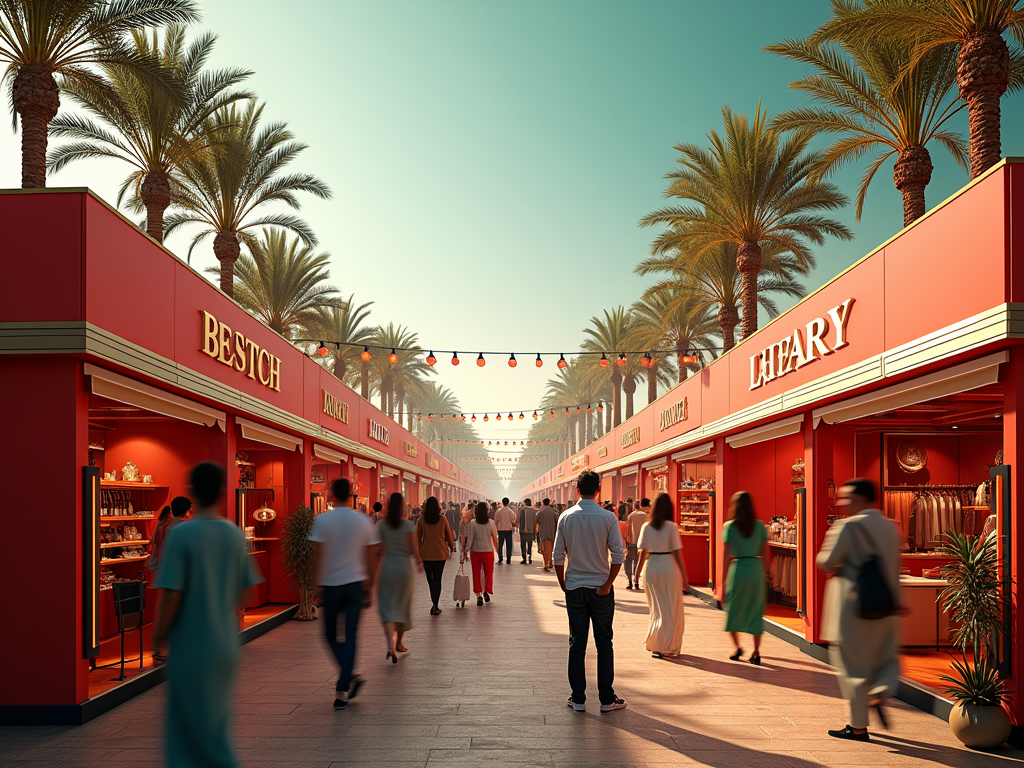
(576, 385)
(343, 324)
(43, 38)
(873, 100)
(674, 317)
(754, 188)
(985, 65)
(716, 284)
(283, 283)
(389, 377)
(609, 336)
(155, 130)
(221, 191)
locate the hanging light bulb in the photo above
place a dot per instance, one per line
(365, 354)
(455, 358)
(485, 417)
(521, 416)
(577, 409)
(322, 350)
(621, 360)
(647, 361)
(512, 360)
(561, 361)
(506, 442)
(431, 359)
(393, 357)
(419, 417)
(600, 407)
(535, 416)
(463, 417)
(589, 409)
(449, 441)
(552, 415)
(510, 417)
(480, 360)
(538, 362)
(498, 417)
(430, 417)
(473, 419)
(442, 417)
(567, 410)
(603, 362)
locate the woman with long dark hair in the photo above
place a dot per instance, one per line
(156, 544)
(481, 542)
(661, 550)
(436, 543)
(745, 591)
(394, 584)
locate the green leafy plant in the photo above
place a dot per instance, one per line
(973, 600)
(298, 559)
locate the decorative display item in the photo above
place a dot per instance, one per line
(316, 476)
(147, 479)
(912, 456)
(130, 473)
(798, 472)
(264, 514)
(999, 458)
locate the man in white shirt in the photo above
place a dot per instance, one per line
(586, 535)
(344, 562)
(505, 521)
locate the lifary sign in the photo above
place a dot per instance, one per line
(818, 338)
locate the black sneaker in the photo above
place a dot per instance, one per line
(629, 585)
(340, 703)
(577, 707)
(487, 597)
(353, 687)
(522, 562)
(479, 600)
(849, 733)
(616, 703)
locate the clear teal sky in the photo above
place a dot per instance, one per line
(490, 160)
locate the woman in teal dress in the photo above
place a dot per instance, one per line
(394, 585)
(745, 590)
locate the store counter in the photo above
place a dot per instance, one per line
(925, 623)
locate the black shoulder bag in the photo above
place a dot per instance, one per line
(873, 594)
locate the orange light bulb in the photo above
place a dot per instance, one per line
(480, 360)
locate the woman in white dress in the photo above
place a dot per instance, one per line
(661, 551)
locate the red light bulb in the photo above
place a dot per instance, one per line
(561, 362)
(365, 354)
(431, 359)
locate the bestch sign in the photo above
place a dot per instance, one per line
(235, 351)
(802, 347)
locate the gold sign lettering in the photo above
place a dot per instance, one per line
(804, 346)
(379, 433)
(432, 462)
(602, 451)
(632, 437)
(235, 351)
(409, 449)
(332, 406)
(674, 414)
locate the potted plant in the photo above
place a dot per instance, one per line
(973, 600)
(298, 559)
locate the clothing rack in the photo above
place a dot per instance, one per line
(931, 487)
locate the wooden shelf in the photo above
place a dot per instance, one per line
(696, 490)
(109, 544)
(692, 533)
(122, 485)
(780, 545)
(119, 518)
(696, 503)
(124, 560)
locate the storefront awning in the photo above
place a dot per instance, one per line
(655, 464)
(364, 463)
(261, 434)
(952, 381)
(696, 452)
(388, 471)
(629, 470)
(768, 432)
(329, 454)
(130, 392)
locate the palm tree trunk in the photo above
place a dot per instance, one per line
(338, 369)
(227, 249)
(581, 429)
(629, 387)
(364, 381)
(608, 419)
(616, 397)
(408, 418)
(982, 74)
(911, 175)
(748, 264)
(728, 319)
(652, 383)
(36, 100)
(156, 196)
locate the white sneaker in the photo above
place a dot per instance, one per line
(617, 703)
(578, 707)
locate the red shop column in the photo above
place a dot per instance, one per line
(819, 469)
(727, 482)
(44, 413)
(1012, 377)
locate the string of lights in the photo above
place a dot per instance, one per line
(496, 442)
(689, 357)
(498, 415)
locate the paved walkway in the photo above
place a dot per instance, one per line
(486, 686)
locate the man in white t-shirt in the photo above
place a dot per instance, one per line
(344, 562)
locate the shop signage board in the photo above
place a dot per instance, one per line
(579, 462)
(409, 449)
(630, 437)
(432, 462)
(602, 451)
(817, 339)
(234, 350)
(334, 407)
(378, 432)
(675, 413)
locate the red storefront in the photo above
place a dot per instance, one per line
(907, 368)
(117, 374)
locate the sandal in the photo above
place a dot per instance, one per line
(756, 659)
(737, 656)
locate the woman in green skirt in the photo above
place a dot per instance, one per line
(745, 591)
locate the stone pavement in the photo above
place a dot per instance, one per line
(486, 686)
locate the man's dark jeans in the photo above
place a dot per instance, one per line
(584, 607)
(348, 600)
(505, 540)
(526, 545)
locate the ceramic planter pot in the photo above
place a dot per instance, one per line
(979, 727)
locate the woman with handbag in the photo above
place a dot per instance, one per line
(746, 593)
(482, 542)
(437, 543)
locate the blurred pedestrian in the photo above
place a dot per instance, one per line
(661, 551)
(585, 537)
(482, 542)
(157, 540)
(436, 543)
(547, 523)
(745, 590)
(377, 509)
(394, 590)
(454, 516)
(205, 579)
(505, 521)
(344, 563)
(863, 650)
(527, 530)
(637, 518)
